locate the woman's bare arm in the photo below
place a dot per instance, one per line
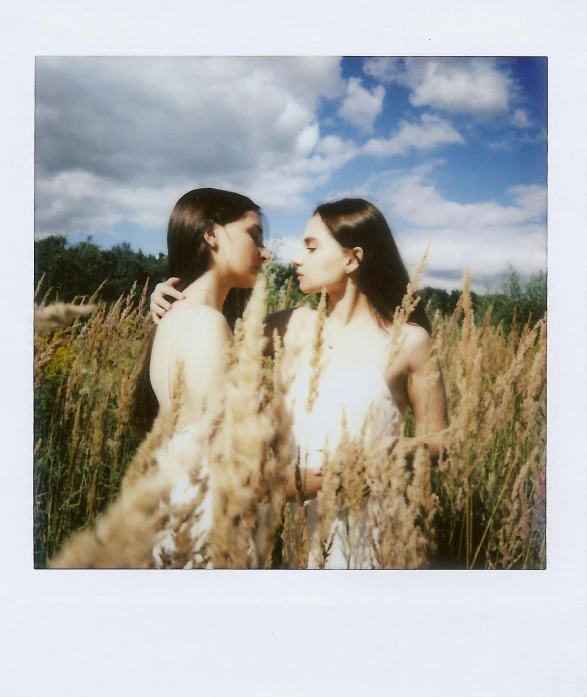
(426, 394)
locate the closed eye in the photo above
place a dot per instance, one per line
(308, 241)
(257, 237)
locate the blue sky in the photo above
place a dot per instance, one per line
(453, 150)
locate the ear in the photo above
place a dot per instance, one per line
(354, 260)
(211, 238)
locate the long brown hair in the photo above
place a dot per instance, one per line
(189, 256)
(382, 275)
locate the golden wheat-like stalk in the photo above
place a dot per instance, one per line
(317, 359)
(249, 456)
(56, 315)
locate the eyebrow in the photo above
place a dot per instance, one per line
(308, 240)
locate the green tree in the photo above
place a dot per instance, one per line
(79, 269)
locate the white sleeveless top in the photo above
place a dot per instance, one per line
(350, 390)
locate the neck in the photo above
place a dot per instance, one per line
(348, 304)
(211, 288)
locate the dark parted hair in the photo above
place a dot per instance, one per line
(382, 275)
(188, 256)
(195, 214)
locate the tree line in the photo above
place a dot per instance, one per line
(70, 271)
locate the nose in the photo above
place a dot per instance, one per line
(265, 255)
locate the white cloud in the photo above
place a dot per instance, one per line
(419, 203)
(385, 69)
(520, 119)
(332, 146)
(503, 144)
(110, 129)
(485, 237)
(460, 85)
(286, 185)
(486, 256)
(331, 153)
(513, 139)
(532, 199)
(283, 188)
(77, 201)
(430, 132)
(307, 139)
(362, 106)
(475, 86)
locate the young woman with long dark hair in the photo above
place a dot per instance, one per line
(215, 244)
(349, 250)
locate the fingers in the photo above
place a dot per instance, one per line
(162, 304)
(171, 291)
(159, 305)
(167, 289)
(159, 308)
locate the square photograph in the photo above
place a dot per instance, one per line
(290, 313)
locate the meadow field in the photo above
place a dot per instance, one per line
(102, 494)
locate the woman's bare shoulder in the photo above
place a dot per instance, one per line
(191, 312)
(187, 321)
(416, 334)
(302, 320)
(413, 338)
(288, 317)
(289, 323)
(410, 330)
(417, 344)
(304, 313)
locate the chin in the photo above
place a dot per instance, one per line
(306, 287)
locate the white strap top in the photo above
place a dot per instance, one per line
(351, 390)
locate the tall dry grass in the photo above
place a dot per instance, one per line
(480, 505)
(83, 377)
(491, 483)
